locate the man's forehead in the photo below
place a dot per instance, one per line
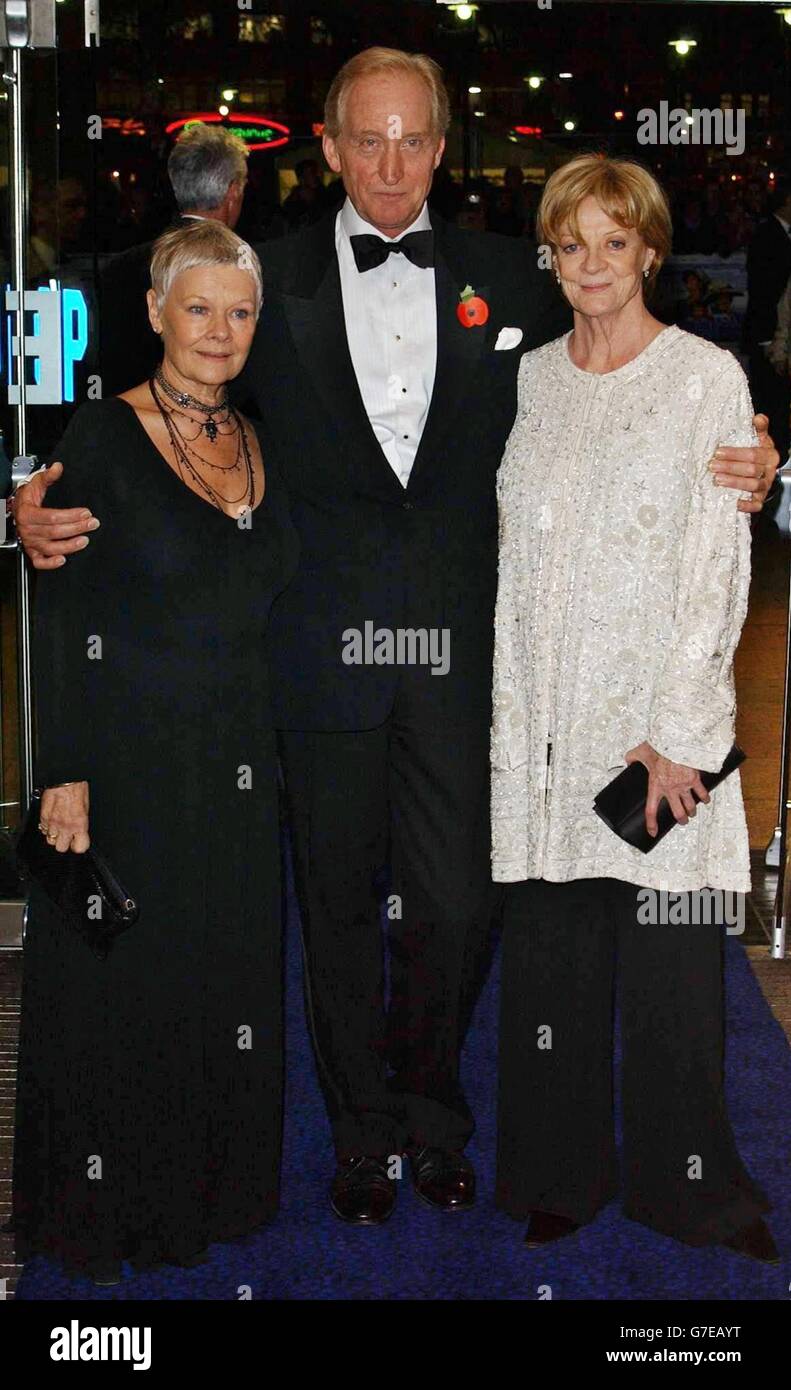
(391, 125)
(378, 97)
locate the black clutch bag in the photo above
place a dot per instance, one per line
(621, 804)
(81, 886)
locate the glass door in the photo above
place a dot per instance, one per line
(44, 353)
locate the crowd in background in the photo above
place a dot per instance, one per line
(710, 218)
(734, 235)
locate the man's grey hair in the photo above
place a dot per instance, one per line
(204, 162)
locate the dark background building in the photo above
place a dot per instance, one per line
(158, 63)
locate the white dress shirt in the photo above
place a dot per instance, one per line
(391, 325)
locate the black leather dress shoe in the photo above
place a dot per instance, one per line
(361, 1192)
(150, 1260)
(546, 1226)
(444, 1178)
(756, 1242)
(103, 1271)
(107, 1274)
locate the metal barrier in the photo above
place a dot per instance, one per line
(776, 856)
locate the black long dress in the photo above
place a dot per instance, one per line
(149, 1085)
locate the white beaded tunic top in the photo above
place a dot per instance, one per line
(623, 584)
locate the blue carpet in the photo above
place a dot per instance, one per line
(308, 1254)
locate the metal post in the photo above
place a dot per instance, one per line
(783, 517)
(783, 893)
(14, 81)
(23, 24)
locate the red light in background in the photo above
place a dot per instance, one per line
(126, 126)
(237, 118)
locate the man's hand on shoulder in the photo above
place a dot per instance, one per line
(750, 470)
(48, 534)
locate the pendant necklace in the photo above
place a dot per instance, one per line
(183, 398)
(183, 449)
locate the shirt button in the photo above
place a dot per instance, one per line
(407, 506)
(406, 436)
(403, 390)
(398, 337)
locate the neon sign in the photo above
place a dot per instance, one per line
(57, 342)
(257, 132)
(126, 126)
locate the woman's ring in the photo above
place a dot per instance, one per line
(43, 828)
(51, 837)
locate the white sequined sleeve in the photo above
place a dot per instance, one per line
(693, 709)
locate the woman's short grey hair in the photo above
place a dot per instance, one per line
(205, 243)
(203, 164)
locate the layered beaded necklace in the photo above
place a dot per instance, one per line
(229, 422)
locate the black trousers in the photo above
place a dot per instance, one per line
(412, 795)
(682, 1175)
(771, 395)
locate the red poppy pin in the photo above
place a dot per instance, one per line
(472, 311)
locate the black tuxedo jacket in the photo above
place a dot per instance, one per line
(372, 551)
(768, 269)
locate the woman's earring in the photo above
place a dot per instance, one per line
(557, 276)
(646, 273)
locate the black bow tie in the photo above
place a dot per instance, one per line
(418, 247)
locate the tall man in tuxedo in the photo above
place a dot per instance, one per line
(391, 415)
(388, 395)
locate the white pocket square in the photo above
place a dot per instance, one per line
(508, 338)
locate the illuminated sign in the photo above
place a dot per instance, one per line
(258, 132)
(528, 129)
(124, 126)
(57, 341)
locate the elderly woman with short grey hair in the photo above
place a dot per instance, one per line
(149, 1095)
(624, 575)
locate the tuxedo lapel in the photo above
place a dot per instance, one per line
(459, 349)
(313, 305)
(317, 326)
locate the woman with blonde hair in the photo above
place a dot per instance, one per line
(623, 586)
(149, 1092)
